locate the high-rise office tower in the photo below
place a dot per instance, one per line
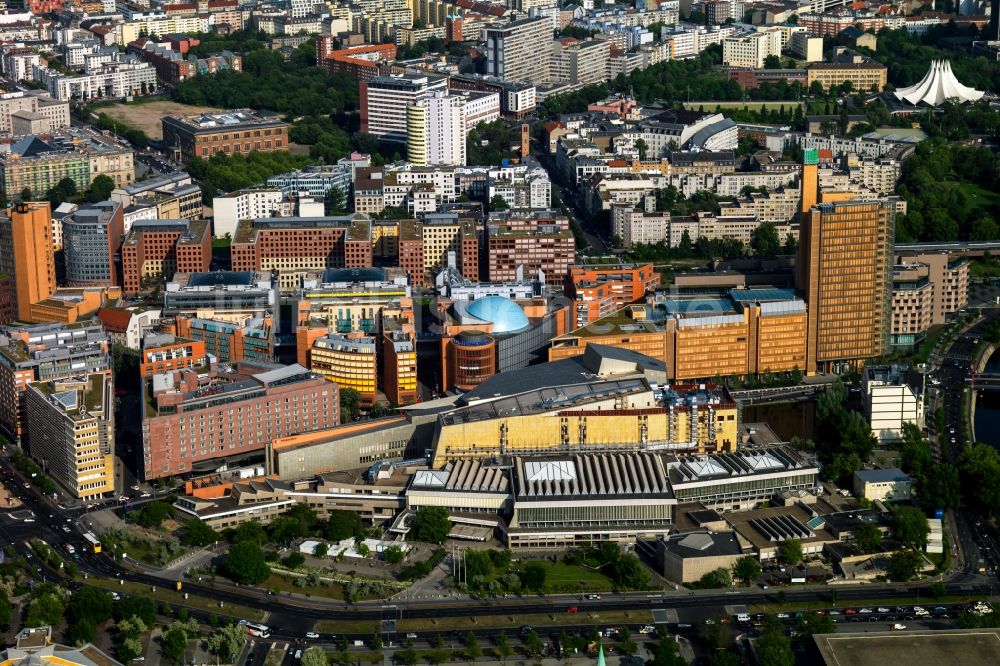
(92, 236)
(520, 50)
(844, 270)
(26, 240)
(71, 429)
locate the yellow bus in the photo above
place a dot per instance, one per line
(92, 542)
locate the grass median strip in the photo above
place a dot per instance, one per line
(177, 598)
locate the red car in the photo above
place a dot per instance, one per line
(850, 611)
(571, 609)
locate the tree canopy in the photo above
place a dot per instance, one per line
(246, 565)
(431, 524)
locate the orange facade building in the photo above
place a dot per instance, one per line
(598, 291)
(163, 352)
(844, 271)
(34, 263)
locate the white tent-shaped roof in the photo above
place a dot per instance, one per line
(939, 84)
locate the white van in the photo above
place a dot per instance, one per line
(743, 617)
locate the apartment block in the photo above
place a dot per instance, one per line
(520, 50)
(194, 422)
(317, 180)
(926, 288)
(230, 208)
(892, 395)
(524, 185)
(45, 352)
(120, 76)
(599, 291)
(864, 77)
(172, 67)
(153, 250)
(92, 237)
(384, 101)
(637, 225)
(71, 432)
(232, 133)
(81, 155)
(751, 50)
(48, 114)
(26, 254)
(435, 130)
(172, 196)
(580, 63)
(364, 62)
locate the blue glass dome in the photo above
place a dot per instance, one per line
(506, 315)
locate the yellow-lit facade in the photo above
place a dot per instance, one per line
(416, 135)
(712, 428)
(844, 269)
(351, 363)
(759, 338)
(74, 438)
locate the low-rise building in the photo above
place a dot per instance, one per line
(127, 326)
(883, 485)
(599, 291)
(163, 352)
(235, 132)
(689, 556)
(173, 196)
(863, 76)
(892, 395)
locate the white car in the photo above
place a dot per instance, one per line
(312, 634)
(898, 627)
(883, 609)
(648, 629)
(920, 611)
(865, 610)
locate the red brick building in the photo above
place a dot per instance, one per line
(156, 249)
(7, 310)
(364, 62)
(192, 422)
(237, 132)
(172, 66)
(291, 245)
(548, 248)
(44, 6)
